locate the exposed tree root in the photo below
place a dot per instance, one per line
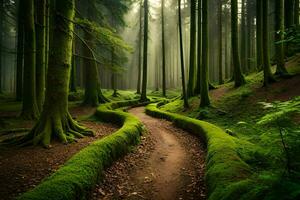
(63, 128)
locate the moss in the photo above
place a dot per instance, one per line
(82, 172)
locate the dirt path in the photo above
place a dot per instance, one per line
(169, 164)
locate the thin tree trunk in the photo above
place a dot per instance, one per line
(73, 70)
(243, 39)
(238, 76)
(30, 107)
(221, 80)
(259, 34)
(145, 57)
(20, 52)
(296, 13)
(199, 48)
(279, 37)
(266, 55)
(205, 49)
(192, 68)
(185, 99)
(1, 36)
(163, 48)
(140, 52)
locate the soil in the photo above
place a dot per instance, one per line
(21, 169)
(168, 164)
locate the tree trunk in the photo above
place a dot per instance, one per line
(199, 48)
(259, 34)
(243, 38)
(191, 82)
(55, 120)
(140, 52)
(296, 13)
(145, 57)
(238, 76)
(1, 35)
(40, 31)
(163, 48)
(185, 99)
(30, 107)
(268, 77)
(73, 70)
(204, 67)
(279, 37)
(289, 14)
(221, 80)
(20, 52)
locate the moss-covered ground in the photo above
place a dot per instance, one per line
(237, 110)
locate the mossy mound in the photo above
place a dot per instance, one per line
(82, 172)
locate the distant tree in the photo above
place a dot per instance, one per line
(220, 13)
(145, 56)
(20, 51)
(40, 31)
(268, 77)
(1, 32)
(55, 120)
(163, 47)
(192, 68)
(244, 38)
(140, 43)
(185, 98)
(289, 13)
(199, 48)
(204, 67)
(259, 34)
(296, 13)
(279, 37)
(238, 76)
(30, 107)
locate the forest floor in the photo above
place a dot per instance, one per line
(23, 168)
(168, 164)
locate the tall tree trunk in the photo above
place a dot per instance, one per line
(55, 120)
(243, 38)
(140, 51)
(268, 77)
(1, 35)
(191, 82)
(238, 76)
(289, 13)
(163, 48)
(185, 98)
(204, 67)
(226, 34)
(73, 70)
(221, 80)
(30, 107)
(279, 37)
(296, 13)
(20, 52)
(40, 31)
(145, 56)
(199, 48)
(259, 34)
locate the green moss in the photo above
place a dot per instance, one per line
(82, 172)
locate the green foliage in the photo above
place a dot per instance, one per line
(82, 172)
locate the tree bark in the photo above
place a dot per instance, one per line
(40, 31)
(1, 35)
(163, 48)
(140, 51)
(221, 80)
(279, 37)
(296, 13)
(185, 98)
(205, 101)
(191, 82)
(238, 76)
(73, 78)
(30, 107)
(268, 77)
(259, 34)
(20, 52)
(145, 57)
(199, 48)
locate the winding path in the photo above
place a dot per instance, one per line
(169, 164)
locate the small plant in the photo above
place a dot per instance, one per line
(280, 116)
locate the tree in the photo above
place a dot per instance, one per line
(268, 77)
(259, 34)
(199, 48)
(140, 49)
(40, 30)
(204, 67)
(185, 98)
(289, 13)
(20, 52)
(221, 81)
(163, 48)
(1, 28)
(191, 82)
(238, 76)
(279, 37)
(73, 78)
(145, 56)
(55, 120)
(296, 13)
(30, 107)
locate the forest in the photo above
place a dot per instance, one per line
(149, 99)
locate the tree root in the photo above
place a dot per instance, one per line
(65, 129)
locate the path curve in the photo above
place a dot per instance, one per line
(168, 165)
